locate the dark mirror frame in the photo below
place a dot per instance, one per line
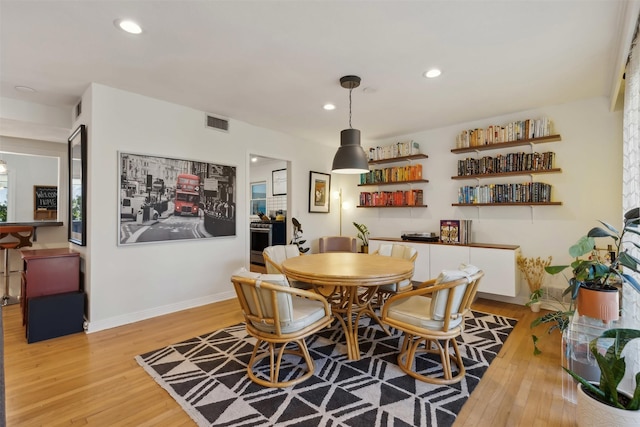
(78, 214)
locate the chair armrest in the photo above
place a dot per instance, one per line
(425, 284)
(297, 292)
(425, 288)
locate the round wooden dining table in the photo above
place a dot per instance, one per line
(349, 281)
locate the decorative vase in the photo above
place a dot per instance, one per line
(535, 306)
(601, 303)
(593, 413)
(364, 249)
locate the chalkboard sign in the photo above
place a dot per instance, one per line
(45, 198)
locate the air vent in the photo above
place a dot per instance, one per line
(78, 109)
(217, 123)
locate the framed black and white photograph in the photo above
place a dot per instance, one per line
(319, 187)
(78, 186)
(279, 182)
(170, 199)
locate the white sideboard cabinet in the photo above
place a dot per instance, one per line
(498, 262)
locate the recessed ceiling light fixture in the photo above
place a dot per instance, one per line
(329, 107)
(254, 159)
(25, 89)
(350, 157)
(128, 25)
(434, 72)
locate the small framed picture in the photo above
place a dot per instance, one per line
(319, 187)
(279, 182)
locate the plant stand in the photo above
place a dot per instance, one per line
(575, 350)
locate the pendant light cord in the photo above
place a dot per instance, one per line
(350, 89)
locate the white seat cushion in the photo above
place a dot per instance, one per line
(396, 251)
(278, 254)
(439, 305)
(415, 311)
(295, 312)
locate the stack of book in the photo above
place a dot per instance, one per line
(514, 131)
(391, 198)
(393, 174)
(528, 192)
(456, 231)
(513, 162)
(397, 149)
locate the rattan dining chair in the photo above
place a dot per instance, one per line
(433, 315)
(397, 251)
(275, 255)
(279, 317)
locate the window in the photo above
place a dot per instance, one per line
(258, 197)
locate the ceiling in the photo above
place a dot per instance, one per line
(275, 63)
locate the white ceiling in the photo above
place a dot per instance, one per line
(275, 63)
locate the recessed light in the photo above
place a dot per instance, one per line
(434, 72)
(329, 107)
(254, 159)
(128, 25)
(25, 89)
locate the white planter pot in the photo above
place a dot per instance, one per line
(592, 413)
(535, 307)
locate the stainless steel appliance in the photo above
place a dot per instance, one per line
(263, 234)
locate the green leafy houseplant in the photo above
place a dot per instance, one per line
(593, 272)
(612, 370)
(363, 233)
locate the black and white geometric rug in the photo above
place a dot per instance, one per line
(207, 376)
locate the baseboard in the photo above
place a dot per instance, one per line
(113, 322)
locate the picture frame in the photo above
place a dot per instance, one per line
(45, 202)
(77, 212)
(168, 199)
(319, 192)
(279, 182)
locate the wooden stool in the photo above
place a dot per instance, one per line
(23, 234)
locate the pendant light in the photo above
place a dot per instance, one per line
(350, 158)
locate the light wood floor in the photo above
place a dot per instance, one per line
(93, 379)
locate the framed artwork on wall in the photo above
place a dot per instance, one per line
(78, 186)
(319, 187)
(170, 199)
(279, 182)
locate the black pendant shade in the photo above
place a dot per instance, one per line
(350, 158)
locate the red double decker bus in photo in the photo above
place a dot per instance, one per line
(187, 195)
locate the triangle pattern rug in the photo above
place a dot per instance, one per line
(207, 376)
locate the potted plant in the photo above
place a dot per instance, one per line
(297, 236)
(593, 276)
(363, 235)
(533, 270)
(604, 401)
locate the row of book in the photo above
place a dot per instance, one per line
(391, 198)
(528, 192)
(457, 231)
(514, 131)
(397, 149)
(392, 174)
(513, 162)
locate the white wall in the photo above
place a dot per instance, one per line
(129, 283)
(589, 187)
